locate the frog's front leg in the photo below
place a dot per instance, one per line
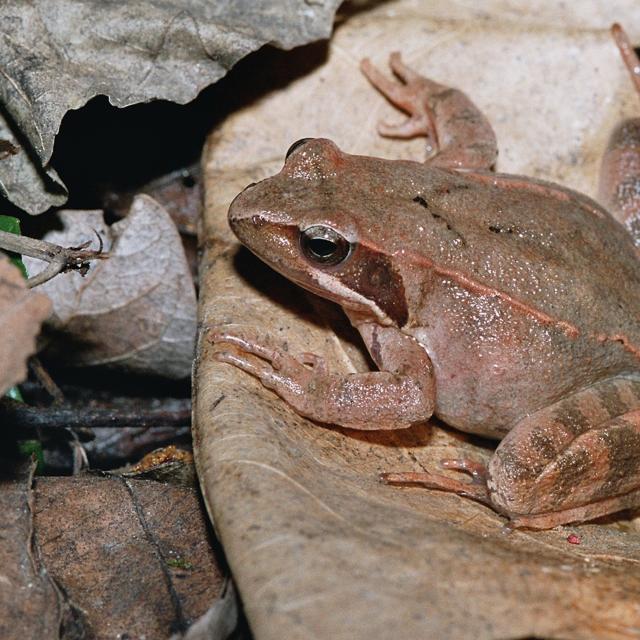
(462, 136)
(576, 460)
(396, 398)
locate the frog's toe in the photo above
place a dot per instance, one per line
(243, 343)
(255, 367)
(405, 73)
(392, 90)
(477, 470)
(474, 490)
(417, 125)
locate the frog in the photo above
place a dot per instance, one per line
(505, 306)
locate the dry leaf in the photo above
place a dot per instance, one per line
(23, 180)
(58, 55)
(29, 599)
(133, 555)
(319, 548)
(168, 464)
(218, 623)
(135, 310)
(21, 313)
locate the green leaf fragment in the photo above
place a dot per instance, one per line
(11, 224)
(14, 394)
(179, 563)
(32, 448)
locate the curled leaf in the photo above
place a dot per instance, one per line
(135, 310)
(319, 547)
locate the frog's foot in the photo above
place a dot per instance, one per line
(453, 125)
(276, 369)
(275, 357)
(411, 96)
(476, 489)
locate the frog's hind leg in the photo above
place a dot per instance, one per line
(619, 189)
(576, 460)
(455, 127)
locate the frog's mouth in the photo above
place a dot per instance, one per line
(344, 296)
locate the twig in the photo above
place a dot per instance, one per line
(59, 258)
(7, 149)
(47, 382)
(165, 413)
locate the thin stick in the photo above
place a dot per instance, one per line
(59, 258)
(47, 382)
(166, 413)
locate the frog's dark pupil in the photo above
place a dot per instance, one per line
(321, 247)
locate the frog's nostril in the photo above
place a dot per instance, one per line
(238, 224)
(296, 145)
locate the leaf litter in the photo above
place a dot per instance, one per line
(134, 311)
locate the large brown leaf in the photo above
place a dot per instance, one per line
(318, 546)
(133, 555)
(21, 314)
(56, 55)
(135, 310)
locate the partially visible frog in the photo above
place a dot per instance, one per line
(506, 306)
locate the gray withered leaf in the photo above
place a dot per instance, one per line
(137, 309)
(57, 55)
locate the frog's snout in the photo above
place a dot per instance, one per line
(252, 224)
(239, 221)
(241, 209)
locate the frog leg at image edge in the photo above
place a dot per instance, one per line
(619, 188)
(461, 134)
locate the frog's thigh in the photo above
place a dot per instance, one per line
(576, 460)
(619, 189)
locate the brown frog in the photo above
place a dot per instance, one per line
(505, 306)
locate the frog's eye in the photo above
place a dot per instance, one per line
(323, 245)
(296, 145)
